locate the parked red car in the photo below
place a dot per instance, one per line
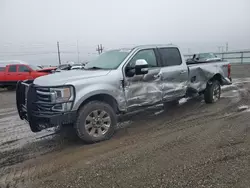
(12, 73)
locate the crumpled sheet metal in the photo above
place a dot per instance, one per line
(146, 90)
(200, 74)
(143, 93)
(140, 93)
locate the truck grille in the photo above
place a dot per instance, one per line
(43, 94)
(44, 102)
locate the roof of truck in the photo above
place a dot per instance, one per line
(156, 46)
(8, 62)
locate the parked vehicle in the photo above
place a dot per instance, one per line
(12, 73)
(117, 82)
(63, 67)
(203, 58)
(77, 66)
(66, 67)
(49, 69)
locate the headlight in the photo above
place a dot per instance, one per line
(63, 96)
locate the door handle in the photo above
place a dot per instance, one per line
(184, 71)
(157, 75)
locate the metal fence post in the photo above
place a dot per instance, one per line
(241, 57)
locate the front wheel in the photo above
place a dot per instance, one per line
(212, 92)
(96, 122)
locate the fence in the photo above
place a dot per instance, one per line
(233, 57)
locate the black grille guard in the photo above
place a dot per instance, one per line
(25, 90)
(27, 107)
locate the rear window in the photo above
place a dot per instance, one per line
(2, 69)
(12, 68)
(170, 56)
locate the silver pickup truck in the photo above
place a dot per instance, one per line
(117, 82)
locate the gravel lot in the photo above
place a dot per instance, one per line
(191, 145)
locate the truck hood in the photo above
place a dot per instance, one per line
(60, 78)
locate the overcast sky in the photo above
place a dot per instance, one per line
(34, 26)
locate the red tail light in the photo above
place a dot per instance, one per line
(229, 71)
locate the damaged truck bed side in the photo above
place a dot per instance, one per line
(117, 82)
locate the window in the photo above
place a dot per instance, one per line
(23, 68)
(170, 56)
(109, 60)
(2, 69)
(147, 55)
(12, 68)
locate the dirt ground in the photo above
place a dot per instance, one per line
(190, 145)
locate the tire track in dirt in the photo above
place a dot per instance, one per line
(181, 119)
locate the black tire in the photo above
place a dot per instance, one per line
(85, 112)
(212, 92)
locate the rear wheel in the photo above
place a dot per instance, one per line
(212, 92)
(96, 122)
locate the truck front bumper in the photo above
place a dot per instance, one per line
(38, 120)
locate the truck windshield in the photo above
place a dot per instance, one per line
(108, 60)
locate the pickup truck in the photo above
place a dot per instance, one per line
(117, 82)
(10, 74)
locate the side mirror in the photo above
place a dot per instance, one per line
(141, 67)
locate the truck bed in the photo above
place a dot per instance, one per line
(200, 73)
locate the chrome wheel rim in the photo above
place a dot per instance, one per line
(97, 123)
(216, 92)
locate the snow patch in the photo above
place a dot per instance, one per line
(159, 112)
(183, 100)
(243, 108)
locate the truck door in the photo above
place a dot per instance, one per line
(143, 90)
(11, 74)
(24, 72)
(174, 73)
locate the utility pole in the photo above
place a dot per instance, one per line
(99, 49)
(227, 47)
(58, 51)
(78, 52)
(221, 49)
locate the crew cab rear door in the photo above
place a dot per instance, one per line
(174, 73)
(11, 74)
